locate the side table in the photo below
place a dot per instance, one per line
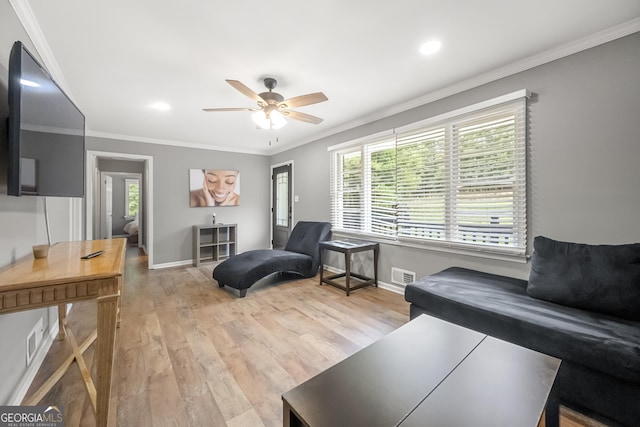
(348, 247)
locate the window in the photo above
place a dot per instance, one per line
(131, 196)
(458, 180)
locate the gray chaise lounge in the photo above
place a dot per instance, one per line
(301, 256)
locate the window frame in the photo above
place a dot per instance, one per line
(514, 103)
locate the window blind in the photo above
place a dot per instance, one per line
(459, 182)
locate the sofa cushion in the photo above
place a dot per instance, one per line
(603, 278)
(499, 306)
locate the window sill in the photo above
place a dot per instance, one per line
(444, 247)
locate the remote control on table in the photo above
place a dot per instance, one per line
(93, 255)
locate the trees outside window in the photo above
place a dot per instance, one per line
(132, 196)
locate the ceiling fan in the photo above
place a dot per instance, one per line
(272, 107)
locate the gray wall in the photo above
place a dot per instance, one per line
(172, 216)
(22, 225)
(584, 147)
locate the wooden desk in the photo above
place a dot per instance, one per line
(349, 247)
(64, 277)
(428, 372)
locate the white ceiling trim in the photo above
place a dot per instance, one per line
(605, 36)
(30, 23)
(169, 142)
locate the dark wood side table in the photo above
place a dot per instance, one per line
(349, 247)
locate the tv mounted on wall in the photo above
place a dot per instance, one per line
(46, 132)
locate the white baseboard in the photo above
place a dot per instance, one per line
(393, 287)
(23, 385)
(172, 264)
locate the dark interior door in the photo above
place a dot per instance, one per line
(281, 206)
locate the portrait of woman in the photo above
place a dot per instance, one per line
(214, 187)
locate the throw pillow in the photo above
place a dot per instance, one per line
(602, 278)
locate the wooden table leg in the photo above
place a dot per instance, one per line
(107, 318)
(62, 315)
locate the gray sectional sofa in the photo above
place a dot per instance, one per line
(581, 304)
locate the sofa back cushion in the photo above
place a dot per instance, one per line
(602, 278)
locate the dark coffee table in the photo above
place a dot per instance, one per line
(428, 372)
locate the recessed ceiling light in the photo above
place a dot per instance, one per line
(430, 47)
(162, 106)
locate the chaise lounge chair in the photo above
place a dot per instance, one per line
(300, 256)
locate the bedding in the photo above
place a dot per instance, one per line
(131, 228)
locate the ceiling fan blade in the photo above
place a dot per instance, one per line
(240, 87)
(230, 109)
(302, 100)
(303, 117)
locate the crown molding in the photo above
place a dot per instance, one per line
(32, 27)
(120, 137)
(588, 42)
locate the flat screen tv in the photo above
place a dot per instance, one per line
(46, 132)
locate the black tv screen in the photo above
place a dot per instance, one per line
(46, 132)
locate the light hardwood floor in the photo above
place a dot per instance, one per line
(192, 354)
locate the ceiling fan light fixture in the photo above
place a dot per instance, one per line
(260, 118)
(264, 120)
(277, 119)
(273, 110)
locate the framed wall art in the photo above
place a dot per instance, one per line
(214, 187)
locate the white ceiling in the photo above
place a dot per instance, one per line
(117, 57)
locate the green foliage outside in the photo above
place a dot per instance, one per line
(411, 184)
(133, 191)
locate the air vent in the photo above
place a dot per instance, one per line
(402, 277)
(33, 340)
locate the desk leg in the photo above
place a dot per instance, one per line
(107, 317)
(347, 269)
(62, 315)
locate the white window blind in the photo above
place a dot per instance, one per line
(459, 182)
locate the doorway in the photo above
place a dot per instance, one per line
(281, 204)
(93, 194)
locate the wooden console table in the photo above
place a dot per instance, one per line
(349, 247)
(64, 277)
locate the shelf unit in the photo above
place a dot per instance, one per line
(213, 242)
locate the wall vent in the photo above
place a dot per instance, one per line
(33, 340)
(402, 277)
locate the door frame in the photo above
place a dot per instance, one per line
(137, 176)
(103, 206)
(92, 191)
(293, 210)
